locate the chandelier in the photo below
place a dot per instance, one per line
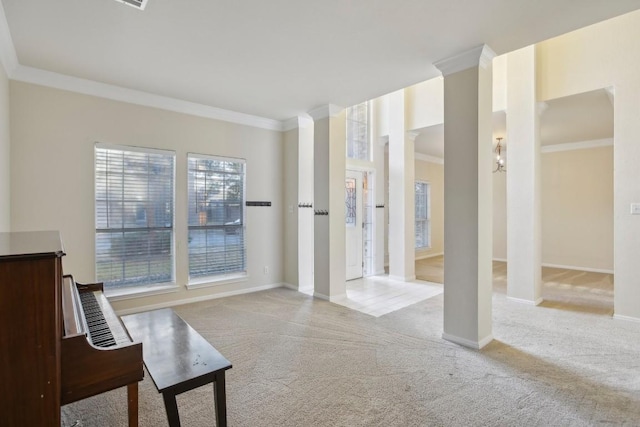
(499, 157)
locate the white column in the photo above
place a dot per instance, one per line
(298, 243)
(468, 197)
(524, 249)
(401, 193)
(329, 163)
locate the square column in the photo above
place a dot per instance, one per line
(524, 249)
(329, 166)
(401, 193)
(468, 194)
(298, 186)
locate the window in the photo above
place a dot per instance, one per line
(216, 216)
(358, 132)
(134, 196)
(423, 215)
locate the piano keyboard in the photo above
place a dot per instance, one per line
(105, 329)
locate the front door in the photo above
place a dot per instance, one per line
(353, 223)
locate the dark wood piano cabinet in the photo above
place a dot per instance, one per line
(30, 328)
(48, 355)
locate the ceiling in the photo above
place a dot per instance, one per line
(280, 58)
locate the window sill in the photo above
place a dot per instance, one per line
(140, 291)
(205, 282)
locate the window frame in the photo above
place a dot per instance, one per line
(144, 288)
(427, 220)
(205, 280)
(368, 128)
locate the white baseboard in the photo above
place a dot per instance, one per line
(525, 301)
(573, 267)
(320, 296)
(427, 256)
(380, 272)
(627, 318)
(568, 267)
(197, 299)
(476, 345)
(290, 286)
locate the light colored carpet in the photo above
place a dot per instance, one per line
(299, 361)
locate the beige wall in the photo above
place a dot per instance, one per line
(5, 154)
(500, 216)
(433, 173)
(577, 208)
(52, 157)
(607, 55)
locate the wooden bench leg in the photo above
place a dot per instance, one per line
(132, 404)
(220, 398)
(171, 407)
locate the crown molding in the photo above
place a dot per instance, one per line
(428, 158)
(541, 107)
(478, 56)
(412, 135)
(297, 122)
(132, 96)
(325, 111)
(611, 94)
(8, 55)
(594, 143)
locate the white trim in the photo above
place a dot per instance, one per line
(412, 134)
(541, 107)
(525, 301)
(209, 281)
(427, 256)
(89, 87)
(476, 345)
(321, 296)
(122, 294)
(196, 299)
(428, 158)
(325, 111)
(8, 55)
(134, 149)
(573, 267)
(380, 273)
(594, 143)
(611, 94)
(499, 259)
(479, 56)
(627, 318)
(337, 298)
(297, 122)
(290, 286)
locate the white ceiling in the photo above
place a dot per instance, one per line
(280, 58)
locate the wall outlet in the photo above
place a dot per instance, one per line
(635, 208)
(266, 269)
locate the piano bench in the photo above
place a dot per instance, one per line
(178, 359)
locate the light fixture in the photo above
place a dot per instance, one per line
(138, 4)
(499, 157)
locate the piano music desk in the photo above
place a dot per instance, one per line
(178, 359)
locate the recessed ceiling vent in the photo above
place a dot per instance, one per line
(138, 4)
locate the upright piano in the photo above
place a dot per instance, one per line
(60, 341)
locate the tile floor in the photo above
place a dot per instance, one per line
(379, 295)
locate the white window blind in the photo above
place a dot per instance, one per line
(423, 215)
(216, 216)
(358, 132)
(134, 196)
